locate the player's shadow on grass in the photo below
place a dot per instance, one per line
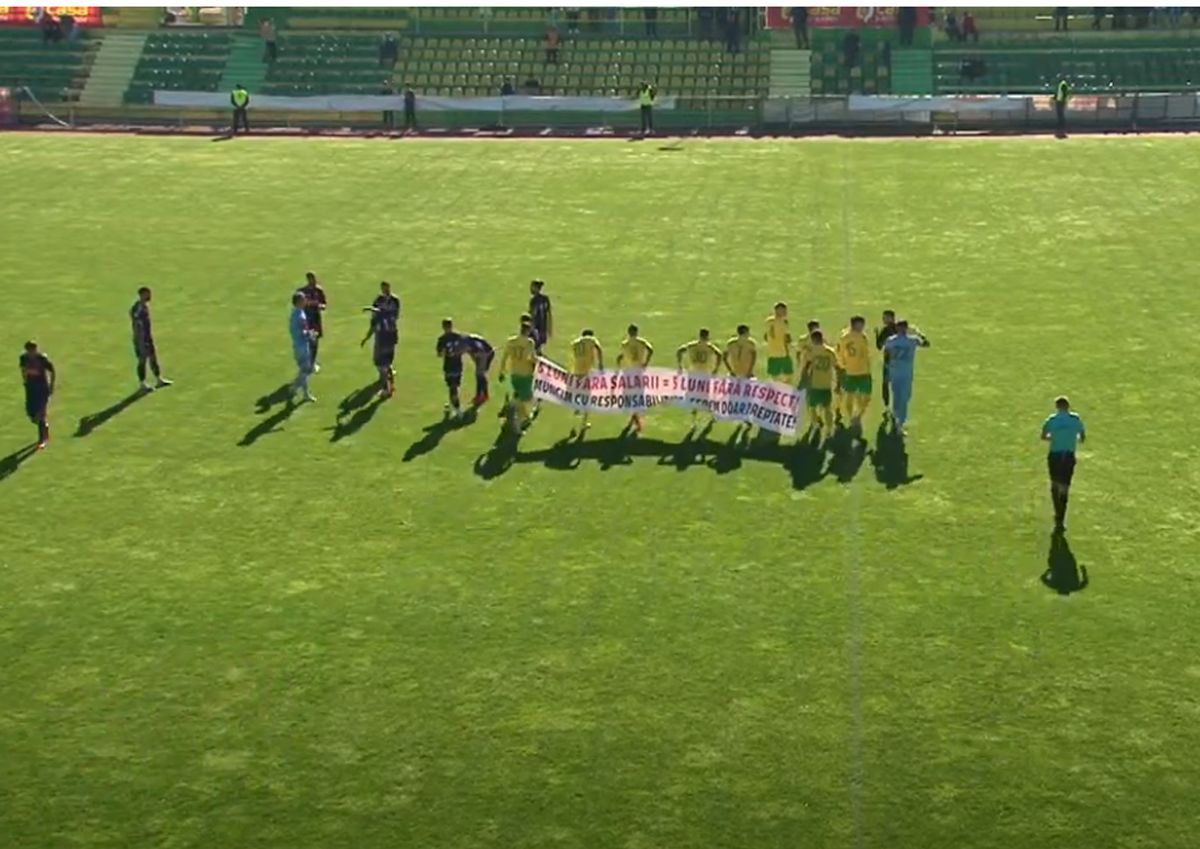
(804, 460)
(1063, 573)
(282, 395)
(10, 464)
(89, 423)
(355, 410)
(890, 457)
(847, 452)
(500, 457)
(435, 432)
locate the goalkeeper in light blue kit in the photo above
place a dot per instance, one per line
(302, 336)
(901, 351)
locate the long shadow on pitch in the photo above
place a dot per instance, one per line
(10, 464)
(804, 460)
(890, 458)
(276, 396)
(355, 410)
(1063, 573)
(500, 457)
(435, 432)
(87, 424)
(847, 453)
(263, 405)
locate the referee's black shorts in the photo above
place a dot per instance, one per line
(1061, 465)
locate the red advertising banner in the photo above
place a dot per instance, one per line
(847, 17)
(85, 16)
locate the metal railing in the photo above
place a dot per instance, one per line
(724, 114)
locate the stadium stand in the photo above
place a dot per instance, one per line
(1107, 63)
(53, 72)
(188, 60)
(326, 63)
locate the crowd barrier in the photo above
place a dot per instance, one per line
(854, 114)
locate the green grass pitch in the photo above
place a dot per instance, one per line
(354, 631)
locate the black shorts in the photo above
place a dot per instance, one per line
(385, 356)
(35, 402)
(539, 337)
(314, 324)
(483, 362)
(144, 350)
(453, 378)
(1061, 465)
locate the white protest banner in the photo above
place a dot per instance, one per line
(772, 406)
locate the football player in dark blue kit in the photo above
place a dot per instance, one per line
(540, 314)
(481, 353)
(38, 373)
(385, 327)
(449, 347)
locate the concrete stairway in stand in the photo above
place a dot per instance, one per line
(245, 65)
(112, 69)
(791, 73)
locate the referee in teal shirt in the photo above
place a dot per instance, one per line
(1063, 429)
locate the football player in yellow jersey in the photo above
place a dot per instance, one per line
(854, 357)
(520, 356)
(741, 353)
(779, 345)
(803, 347)
(635, 354)
(820, 371)
(703, 357)
(586, 357)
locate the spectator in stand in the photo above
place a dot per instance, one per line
(70, 31)
(1119, 19)
(1097, 17)
(1062, 17)
(595, 19)
(388, 89)
(552, 42)
(572, 20)
(850, 47)
(51, 29)
(906, 19)
(389, 51)
(704, 20)
(952, 31)
(733, 32)
(267, 30)
(800, 26)
(1195, 15)
(651, 17)
(969, 30)
(507, 89)
(410, 108)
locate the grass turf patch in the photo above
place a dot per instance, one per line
(222, 627)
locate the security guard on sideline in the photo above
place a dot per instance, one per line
(1061, 92)
(240, 98)
(646, 101)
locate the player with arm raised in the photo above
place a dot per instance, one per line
(385, 328)
(901, 353)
